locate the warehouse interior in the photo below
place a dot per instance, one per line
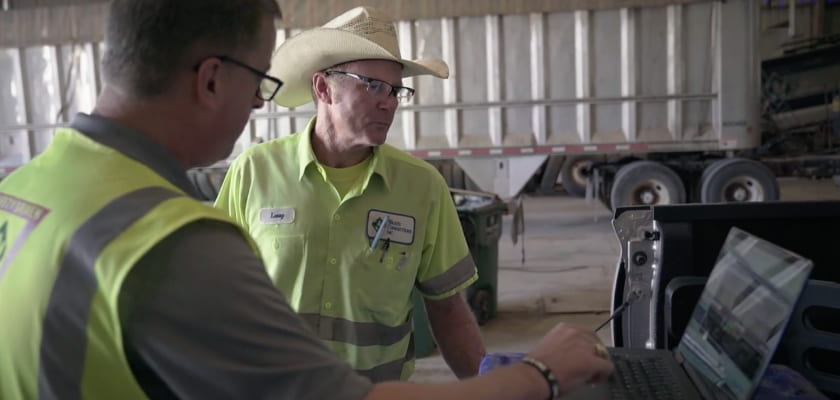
(562, 124)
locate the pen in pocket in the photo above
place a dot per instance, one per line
(379, 231)
(403, 260)
(385, 249)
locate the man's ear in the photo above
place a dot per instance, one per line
(207, 82)
(321, 89)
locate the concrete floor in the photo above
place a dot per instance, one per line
(570, 256)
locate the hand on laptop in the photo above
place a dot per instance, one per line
(570, 352)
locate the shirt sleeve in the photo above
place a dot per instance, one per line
(202, 320)
(446, 266)
(233, 194)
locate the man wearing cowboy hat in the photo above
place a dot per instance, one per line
(133, 289)
(348, 225)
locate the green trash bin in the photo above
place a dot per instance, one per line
(481, 219)
(480, 215)
(424, 342)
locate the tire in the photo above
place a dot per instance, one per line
(738, 180)
(646, 183)
(574, 175)
(548, 183)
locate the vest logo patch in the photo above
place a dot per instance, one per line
(399, 228)
(20, 218)
(273, 216)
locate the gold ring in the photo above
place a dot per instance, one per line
(601, 351)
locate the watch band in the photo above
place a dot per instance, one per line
(553, 385)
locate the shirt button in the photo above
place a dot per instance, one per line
(333, 261)
(328, 305)
(337, 217)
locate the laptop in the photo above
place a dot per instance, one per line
(733, 333)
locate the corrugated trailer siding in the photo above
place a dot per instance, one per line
(644, 79)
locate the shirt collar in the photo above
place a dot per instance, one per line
(306, 157)
(135, 145)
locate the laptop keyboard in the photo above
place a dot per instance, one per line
(642, 378)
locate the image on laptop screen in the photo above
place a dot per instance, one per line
(742, 313)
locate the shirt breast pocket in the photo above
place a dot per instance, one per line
(389, 278)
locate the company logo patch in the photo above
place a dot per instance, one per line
(272, 216)
(400, 227)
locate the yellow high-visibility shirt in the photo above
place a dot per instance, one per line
(317, 246)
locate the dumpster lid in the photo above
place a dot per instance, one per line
(466, 200)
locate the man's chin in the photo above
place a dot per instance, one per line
(376, 139)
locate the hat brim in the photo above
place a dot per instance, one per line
(299, 57)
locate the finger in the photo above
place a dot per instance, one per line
(601, 350)
(602, 369)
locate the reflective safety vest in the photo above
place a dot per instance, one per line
(73, 222)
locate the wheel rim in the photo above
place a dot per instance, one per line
(650, 192)
(578, 174)
(742, 189)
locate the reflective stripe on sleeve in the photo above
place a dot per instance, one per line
(461, 272)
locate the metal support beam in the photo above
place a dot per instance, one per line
(494, 77)
(96, 53)
(628, 72)
(716, 55)
(285, 125)
(450, 86)
(675, 70)
(818, 19)
(63, 85)
(409, 118)
(539, 114)
(791, 18)
(25, 94)
(583, 87)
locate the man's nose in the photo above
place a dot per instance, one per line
(389, 103)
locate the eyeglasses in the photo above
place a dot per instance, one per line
(379, 87)
(269, 85)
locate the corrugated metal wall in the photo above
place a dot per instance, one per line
(38, 22)
(307, 13)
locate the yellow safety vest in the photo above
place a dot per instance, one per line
(73, 222)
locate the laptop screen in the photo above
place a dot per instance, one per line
(742, 314)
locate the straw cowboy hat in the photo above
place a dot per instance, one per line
(363, 33)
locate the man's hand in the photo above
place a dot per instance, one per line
(571, 354)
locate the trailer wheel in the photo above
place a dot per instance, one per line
(738, 180)
(574, 174)
(550, 175)
(646, 183)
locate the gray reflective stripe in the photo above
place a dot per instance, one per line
(390, 371)
(356, 333)
(64, 338)
(461, 272)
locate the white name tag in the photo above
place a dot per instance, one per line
(284, 215)
(400, 228)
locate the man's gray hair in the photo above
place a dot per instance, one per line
(147, 41)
